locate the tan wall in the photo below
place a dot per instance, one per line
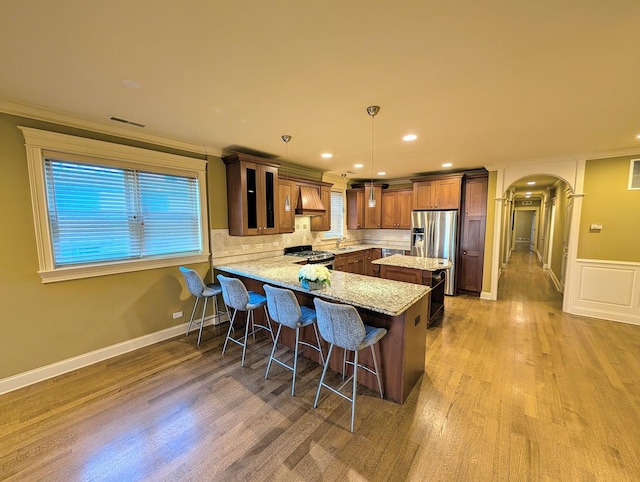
(46, 323)
(607, 201)
(217, 180)
(489, 238)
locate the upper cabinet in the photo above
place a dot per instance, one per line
(323, 221)
(372, 214)
(396, 209)
(355, 208)
(252, 194)
(441, 192)
(287, 201)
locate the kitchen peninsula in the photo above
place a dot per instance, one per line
(415, 269)
(401, 308)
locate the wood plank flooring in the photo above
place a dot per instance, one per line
(513, 390)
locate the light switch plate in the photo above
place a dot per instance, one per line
(595, 227)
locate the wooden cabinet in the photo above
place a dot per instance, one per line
(371, 269)
(472, 235)
(287, 190)
(353, 262)
(436, 280)
(355, 208)
(323, 222)
(252, 194)
(437, 193)
(373, 215)
(396, 209)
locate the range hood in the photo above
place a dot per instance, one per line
(309, 202)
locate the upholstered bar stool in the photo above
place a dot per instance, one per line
(236, 296)
(198, 289)
(286, 311)
(340, 325)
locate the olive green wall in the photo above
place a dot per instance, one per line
(559, 229)
(608, 201)
(217, 180)
(46, 323)
(488, 239)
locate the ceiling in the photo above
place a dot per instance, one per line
(479, 83)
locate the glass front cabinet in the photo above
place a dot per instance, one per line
(252, 194)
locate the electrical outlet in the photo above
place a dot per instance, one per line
(177, 314)
(258, 246)
(276, 243)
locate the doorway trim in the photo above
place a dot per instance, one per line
(568, 168)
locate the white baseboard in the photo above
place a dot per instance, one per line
(555, 280)
(486, 295)
(49, 371)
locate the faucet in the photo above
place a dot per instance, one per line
(339, 241)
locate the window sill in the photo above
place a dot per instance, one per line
(94, 270)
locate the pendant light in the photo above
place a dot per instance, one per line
(372, 110)
(287, 200)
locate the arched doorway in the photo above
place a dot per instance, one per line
(538, 217)
(565, 198)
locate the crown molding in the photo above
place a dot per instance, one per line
(21, 109)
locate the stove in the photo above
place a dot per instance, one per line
(312, 257)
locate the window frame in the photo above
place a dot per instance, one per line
(39, 144)
(631, 187)
(325, 235)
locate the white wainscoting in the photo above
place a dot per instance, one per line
(607, 289)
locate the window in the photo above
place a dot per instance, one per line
(634, 174)
(337, 216)
(102, 208)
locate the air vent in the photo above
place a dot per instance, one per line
(125, 121)
(634, 175)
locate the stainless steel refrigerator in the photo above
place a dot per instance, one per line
(434, 234)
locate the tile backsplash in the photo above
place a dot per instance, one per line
(229, 249)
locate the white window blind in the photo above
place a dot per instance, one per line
(101, 213)
(337, 215)
(634, 175)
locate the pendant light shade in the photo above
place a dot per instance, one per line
(287, 200)
(372, 110)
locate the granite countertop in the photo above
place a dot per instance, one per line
(380, 295)
(416, 262)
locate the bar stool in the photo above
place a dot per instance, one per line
(198, 289)
(285, 310)
(341, 325)
(236, 296)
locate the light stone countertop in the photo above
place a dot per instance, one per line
(416, 262)
(380, 295)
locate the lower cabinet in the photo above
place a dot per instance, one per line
(434, 279)
(354, 262)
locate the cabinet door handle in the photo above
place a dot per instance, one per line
(464, 252)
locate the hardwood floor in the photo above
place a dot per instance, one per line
(513, 390)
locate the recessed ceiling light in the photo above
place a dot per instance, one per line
(638, 136)
(531, 183)
(381, 173)
(447, 164)
(410, 137)
(326, 155)
(528, 193)
(358, 166)
(132, 84)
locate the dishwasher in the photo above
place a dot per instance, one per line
(390, 252)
